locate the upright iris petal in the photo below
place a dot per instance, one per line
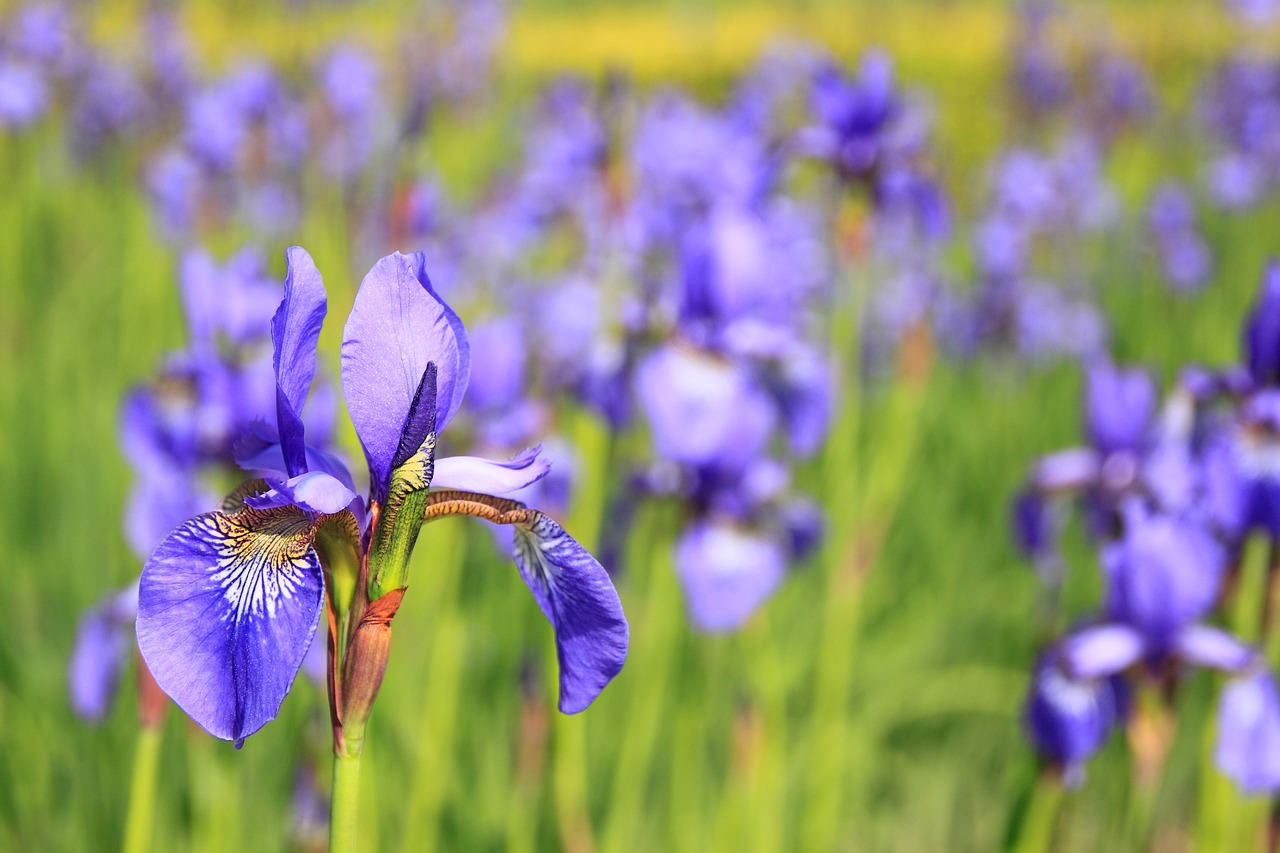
(295, 330)
(1165, 574)
(227, 607)
(398, 325)
(1119, 406)
(576, 596)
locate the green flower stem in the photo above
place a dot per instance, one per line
(142, 791)
(844, 580)
(345, 803)
(1036, 829)
(436, 759)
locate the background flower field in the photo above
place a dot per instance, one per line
(875, 701)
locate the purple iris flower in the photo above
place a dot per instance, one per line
(1131, 453)
(229, 602)
(854, 115)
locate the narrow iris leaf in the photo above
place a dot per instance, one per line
(576, 595)
(227, 607)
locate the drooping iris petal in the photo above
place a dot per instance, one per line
(577, 597)
(1205, 645)
(474, 474)
(1102, 650)
(227, 607)
(1069, 719)
(1248, 748)
(1068, 469)
(398, 325)
(727, 573)
(295, 330)
(102, 646)
(314, 491)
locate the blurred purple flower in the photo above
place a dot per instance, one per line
(1069, 719)
(727, 573)
(1248, 746)
(104, 639)
(24, 95)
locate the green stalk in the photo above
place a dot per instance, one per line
(345, 802)
(1036, 830)
(843, 594)
(142, 791)
(438, 722)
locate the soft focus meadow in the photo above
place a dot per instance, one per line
(913, 369)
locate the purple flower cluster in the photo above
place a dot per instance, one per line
(244, 148)
(1170, 496)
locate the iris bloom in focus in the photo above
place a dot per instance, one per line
(229, 602)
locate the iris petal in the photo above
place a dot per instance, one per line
(727, 573)
(1248, 747)
(1102, 650)
(576, 595)
(227, 607)
(1205, 645)
(314, 491)
(295, 329)
(397, 326)
(474, 474)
